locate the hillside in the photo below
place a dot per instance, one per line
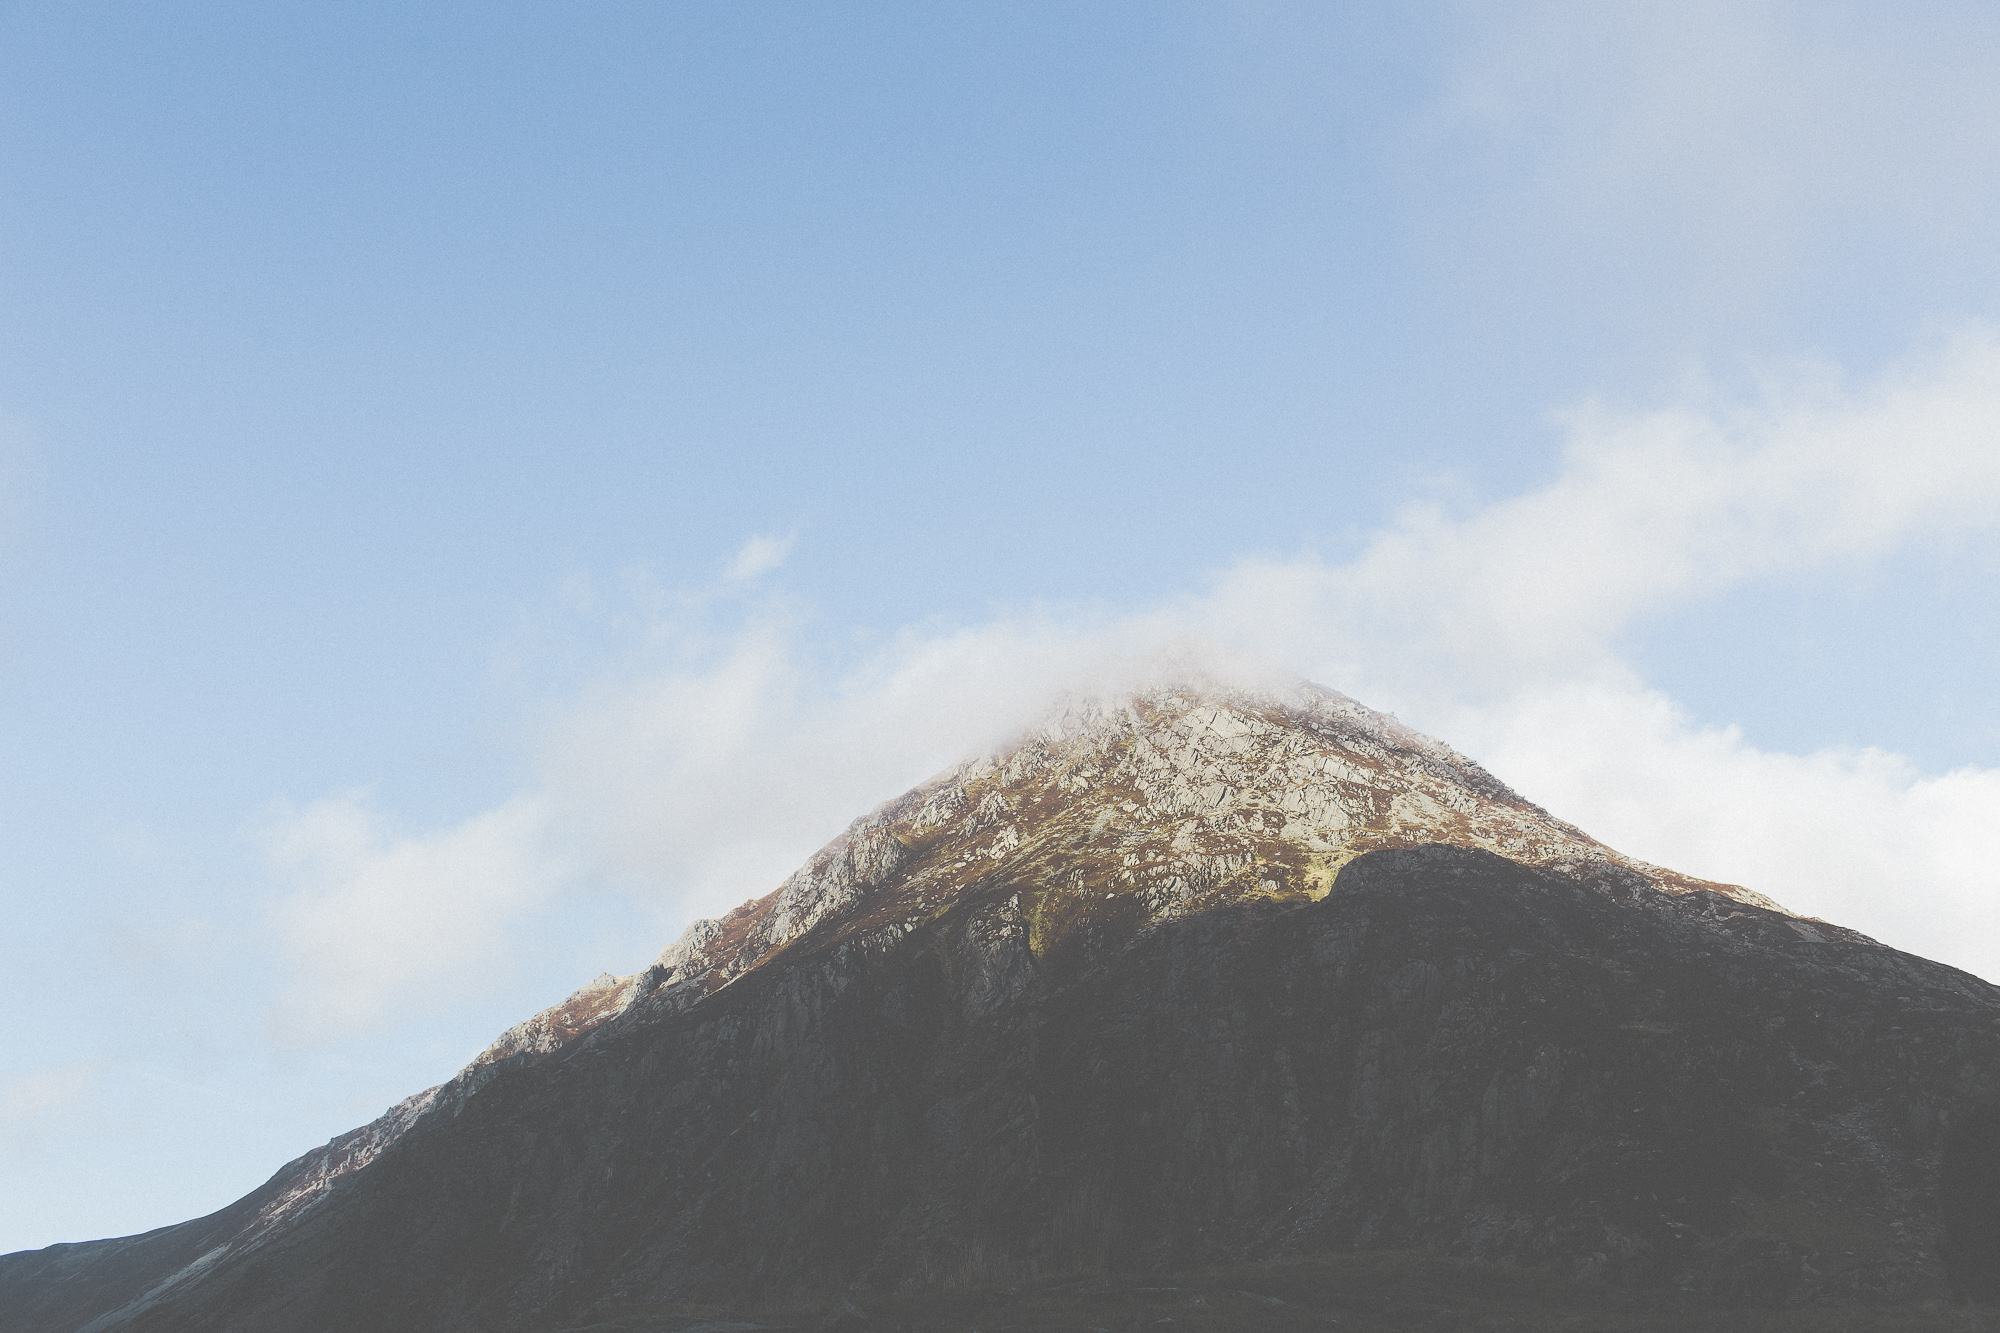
(1196, 980)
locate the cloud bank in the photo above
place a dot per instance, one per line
(705, 778)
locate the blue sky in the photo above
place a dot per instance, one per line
(482, 485)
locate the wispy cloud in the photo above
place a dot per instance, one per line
(711, 779)
(376, 919)
(703, 779)
(1651, 510)
(759, 555)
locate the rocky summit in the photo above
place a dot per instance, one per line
(1197, 980)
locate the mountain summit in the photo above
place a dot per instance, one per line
(1112, 816)
(1198, 976)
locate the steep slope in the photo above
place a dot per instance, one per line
(1200, 977)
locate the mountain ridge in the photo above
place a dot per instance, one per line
(1101, 828)
(713, 951)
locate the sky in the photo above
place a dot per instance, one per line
(481, 486)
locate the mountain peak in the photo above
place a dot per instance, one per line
(1115, 812)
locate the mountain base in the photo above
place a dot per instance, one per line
(1381, 1291)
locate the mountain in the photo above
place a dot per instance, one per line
(1203, 977)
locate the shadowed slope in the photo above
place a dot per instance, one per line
(1102, 1001)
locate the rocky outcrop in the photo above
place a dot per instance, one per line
(1196, 978)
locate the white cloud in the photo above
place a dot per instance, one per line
(704, 780)
(757, 556)
(1859, 837)
(376, 920)
(1498, 628)
(714, 779)
(1651, 510)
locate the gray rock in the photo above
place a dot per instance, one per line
(1194, 978)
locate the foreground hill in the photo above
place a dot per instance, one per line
(1205, 978)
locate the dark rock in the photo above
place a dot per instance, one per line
(973, 1066)
(1971, 1205)
(844, 1316)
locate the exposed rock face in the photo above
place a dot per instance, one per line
(1200, 978)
